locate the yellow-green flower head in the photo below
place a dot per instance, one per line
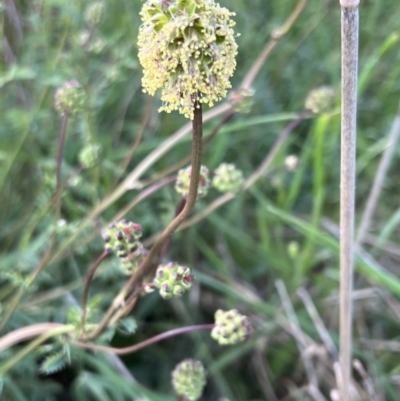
(227, 178)
(189, 379)
(70, 98)
(187, 49)
(321, 100)
(183, 182)
(231, 327)
(173, 280)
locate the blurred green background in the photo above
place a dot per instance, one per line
(283, 228)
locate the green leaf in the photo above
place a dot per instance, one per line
(54, 363)
(127, 325)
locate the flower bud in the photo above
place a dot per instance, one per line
(321, 100)
(133, 259)
(189, 379)
(187, 49)
(227, 178)
(231, 327)
(173, 280)
(70, 98)
(122, 237)
(183, 182)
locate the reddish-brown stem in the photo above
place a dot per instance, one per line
(144, 268)
(89, 278)
(143, 344)
(164, 248)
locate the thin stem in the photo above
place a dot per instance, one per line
(88, 280)
(143, 344)
(48, 333)
(373, 197)
(57, 206)
(175, 223)
(248, 183)
(277, 35)
(347, 186)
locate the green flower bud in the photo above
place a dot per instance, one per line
(231, 327)
(173, 280)
(321, 100)
(187, 49)
(189, 379)
(95, 12)
(183, 182)
(70, 98)
(89, 155)
(122, 238)
(133, 259)
(227, 178)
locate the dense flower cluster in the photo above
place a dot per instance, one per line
(122, 238)
(231, 327)
(227, 178)
(321, 100)
(173, 280)
(187, 49)
(70, 98)
(183, 182)
(189, 379)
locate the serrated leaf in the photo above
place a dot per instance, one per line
(54, 363)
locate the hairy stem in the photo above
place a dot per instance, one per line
(347, 186)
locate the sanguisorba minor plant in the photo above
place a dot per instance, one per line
(187, 49)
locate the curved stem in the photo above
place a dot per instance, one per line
(143, 344)
(62, 329)
(144, 268)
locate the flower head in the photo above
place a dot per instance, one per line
(231, 327)
(173, 280)
(189, 379)
(122, 238)
(70, 98)
(321, 100)
(187, 49)
(183, 182)
(227, 178)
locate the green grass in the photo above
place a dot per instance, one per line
(281, 228)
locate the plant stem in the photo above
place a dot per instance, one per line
(347, 186)
(57, 206)
(373, 197)
(144, 268)
(88, 280)
(146, 343)
(48, 332)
